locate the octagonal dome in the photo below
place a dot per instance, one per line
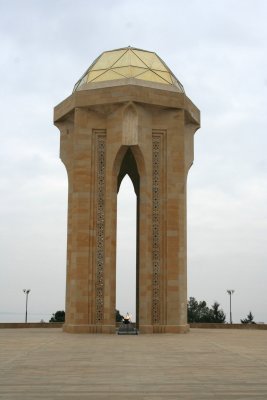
(128, 62)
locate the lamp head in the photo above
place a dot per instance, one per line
(230, 291)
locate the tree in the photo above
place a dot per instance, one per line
(59, 316)
(118, 316)
(198, 311)
(249, 319)
(216, 314)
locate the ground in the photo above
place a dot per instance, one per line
(204, 364)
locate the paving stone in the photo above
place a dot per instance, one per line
(204, 364)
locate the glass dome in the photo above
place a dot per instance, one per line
(126, 63)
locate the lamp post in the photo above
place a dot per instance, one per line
(26, 291)
(230, 292)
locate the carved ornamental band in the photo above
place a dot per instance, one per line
(100, 224)
(156, 215)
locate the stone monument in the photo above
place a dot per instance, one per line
(128, 114)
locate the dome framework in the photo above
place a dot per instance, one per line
(128, 62)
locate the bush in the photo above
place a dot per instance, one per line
(59, 316)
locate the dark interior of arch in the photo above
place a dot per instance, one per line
(129, 166)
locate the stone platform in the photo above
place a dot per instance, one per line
(127, 329)
(204, 364)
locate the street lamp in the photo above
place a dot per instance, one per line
(230, 292)
(26, 291)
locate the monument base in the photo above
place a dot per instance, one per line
(111, 329)
(164, 328)
(89, 328)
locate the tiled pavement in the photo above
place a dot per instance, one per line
(204, 364)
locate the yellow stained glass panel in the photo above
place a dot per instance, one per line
(136, 62)
(129, 71)
(152, 77)
(123, 61)
(135, 71)
(106, 60)
(129, 59)
(94, 74)
(151, 60)
(108, 76)
(165, 75)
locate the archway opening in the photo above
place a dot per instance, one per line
(127, 259)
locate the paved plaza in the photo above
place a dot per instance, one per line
(204, 364)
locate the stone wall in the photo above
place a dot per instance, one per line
(227, 326)
(19, 325)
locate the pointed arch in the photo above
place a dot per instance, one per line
(138, 159)
(126, 249)
(129, 160)
(129, 167)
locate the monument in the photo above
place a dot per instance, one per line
(128, 114)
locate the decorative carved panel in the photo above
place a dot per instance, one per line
(156, 225)
(100, 223)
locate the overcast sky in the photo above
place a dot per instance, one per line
(218, 50)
